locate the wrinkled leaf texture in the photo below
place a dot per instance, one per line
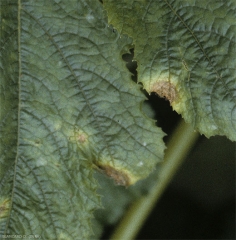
(185, 51)
(68, 106)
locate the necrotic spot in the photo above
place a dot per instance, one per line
(118, 176)
(165, 89)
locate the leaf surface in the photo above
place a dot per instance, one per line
(185, 52)
(68, 105)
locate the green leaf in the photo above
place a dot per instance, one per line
(185, 50)
(68, 106)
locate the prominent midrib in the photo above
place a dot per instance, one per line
(18, 115)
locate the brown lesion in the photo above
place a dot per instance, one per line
(81, 137)
(4, 208)
(165, 90)
(120, 178)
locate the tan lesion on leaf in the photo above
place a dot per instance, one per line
(165, 89)
(120, 177)
(4, 208)
(79, 137)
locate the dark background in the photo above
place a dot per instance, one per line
(200, 201)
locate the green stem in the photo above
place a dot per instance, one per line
(178, 147)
